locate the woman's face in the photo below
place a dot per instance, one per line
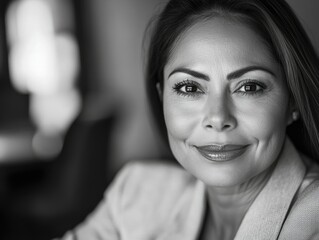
(226, 104)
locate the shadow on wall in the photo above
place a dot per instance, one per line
(116, 33)
(47, 199)
(308, 15)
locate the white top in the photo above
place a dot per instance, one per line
(161, 201)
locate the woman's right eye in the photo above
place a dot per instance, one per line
(188, 88)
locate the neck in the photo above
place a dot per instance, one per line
(228, 205)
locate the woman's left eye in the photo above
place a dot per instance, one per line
(251, 87)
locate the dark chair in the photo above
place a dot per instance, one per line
(71, 186)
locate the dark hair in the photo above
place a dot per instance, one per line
(275, 21)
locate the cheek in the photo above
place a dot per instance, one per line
(181, 117)
(179, 122)
(267, 120)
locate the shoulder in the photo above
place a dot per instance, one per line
(153, 172)
(303, 220)
(308, 195)
(151, 180)
(151, 167)
(145, 195)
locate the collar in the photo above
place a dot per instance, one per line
(266, 215)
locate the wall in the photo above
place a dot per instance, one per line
(116, 33)
(307, 11)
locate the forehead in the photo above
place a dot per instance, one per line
(220, 39)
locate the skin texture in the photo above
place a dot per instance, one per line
(217, 108)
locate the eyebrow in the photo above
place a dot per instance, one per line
(190, 72)
(238, 73)
(233, 75)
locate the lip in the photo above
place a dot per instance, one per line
(221, 153)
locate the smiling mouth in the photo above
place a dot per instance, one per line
(221, 153)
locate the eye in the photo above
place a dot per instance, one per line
(251, 87)
(188, 87)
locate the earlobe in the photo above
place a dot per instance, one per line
(293, 112)
(294, 116)
(159, 91)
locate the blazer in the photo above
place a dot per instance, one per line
(160, 201)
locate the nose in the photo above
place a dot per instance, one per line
(218, 114)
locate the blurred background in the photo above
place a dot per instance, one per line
(73, 107)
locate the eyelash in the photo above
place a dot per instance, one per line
(177, 88)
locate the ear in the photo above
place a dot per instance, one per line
(159, 91)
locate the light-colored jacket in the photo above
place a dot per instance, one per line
(157, 201)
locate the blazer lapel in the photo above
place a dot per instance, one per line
(267, 214)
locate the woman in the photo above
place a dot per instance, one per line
(227, 81)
